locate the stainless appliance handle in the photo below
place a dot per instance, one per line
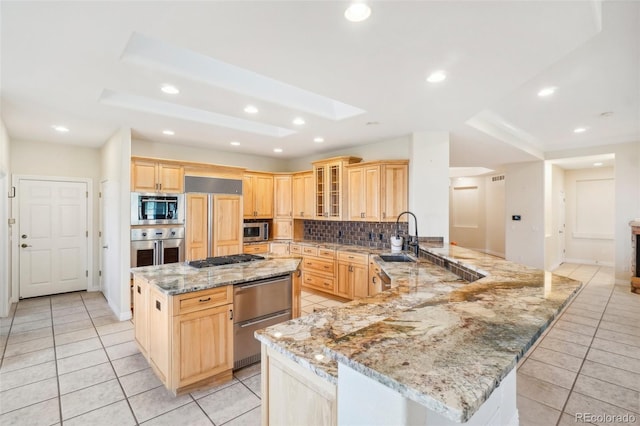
(247, 324)
(241, 287)
(209, 224)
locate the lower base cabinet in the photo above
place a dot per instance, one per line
(190, 337)
(292, 395)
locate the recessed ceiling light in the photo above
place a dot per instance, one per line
(169, 89)
(318, 140)
(298, 121)
(437, 77)
(579, 130)
(61, 129)
(547, 91)
(277, 149)
(168, 132)
(598, 164)
(250, 109)
(234, 143)
(357, 12)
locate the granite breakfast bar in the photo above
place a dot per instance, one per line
(435, 349)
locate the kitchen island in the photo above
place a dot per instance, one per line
(184, 317)
(435, 349)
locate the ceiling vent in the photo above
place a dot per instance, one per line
(497, 178)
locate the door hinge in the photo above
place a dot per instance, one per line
(99, 273)
(86, 233)
(86, 273)
(99, 233)
(86, 194)
(99, 194)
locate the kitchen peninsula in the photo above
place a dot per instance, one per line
(185, 316)
(435, 349)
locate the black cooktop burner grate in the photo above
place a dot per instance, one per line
(224, 260)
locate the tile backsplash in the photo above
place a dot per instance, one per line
(366, 234)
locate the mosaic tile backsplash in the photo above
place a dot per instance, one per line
(367, 234)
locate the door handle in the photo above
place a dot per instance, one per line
(105, 246)
(24, 245)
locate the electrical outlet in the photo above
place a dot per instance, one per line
(381, 236)
(370, 236)
(340, 233)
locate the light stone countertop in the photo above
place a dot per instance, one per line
(435, 338)
(179, 278)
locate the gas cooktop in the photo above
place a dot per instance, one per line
(224, 260)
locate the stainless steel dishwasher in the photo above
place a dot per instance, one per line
(256, 305)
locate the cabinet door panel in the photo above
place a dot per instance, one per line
(227, 225)
(205, 340)
(141, 314)
(309, 195)
(143, 176)
(282, 186)
(371, 190)
(282, 229)
(345, 280)
(264, 196)
(355, 201)
(248, 206)
(298, 196)
(159, 350)
(196, 227)
(395, 191)
(171, 178)
(360, 274)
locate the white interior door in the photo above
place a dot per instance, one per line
(109, 229)
(561, 205)
(53, 237)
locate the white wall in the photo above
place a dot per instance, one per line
(58, 160)
(627, 196)
(201, 155)
(524, 195)
(5, 231)
(590, 211)
(392, 149)
(429, 182)
(115, 166)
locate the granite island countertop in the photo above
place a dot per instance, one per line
(179, 278)
(435, 338)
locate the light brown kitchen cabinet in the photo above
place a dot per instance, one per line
(303, 195)
(226, 220)
(279, 247)
(283, 207)
(330, 187)
(156, 176)
(363, 199)
(190, 337)
(141, 314)
(353, 274)
(227, 225)
(293, 395)
(375, 283)
(257, 190)
(256, 248)
(196, 232)
(395, 189)
(377, 191)
(318, 267)
(296, 289)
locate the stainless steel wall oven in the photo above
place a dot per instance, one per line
(156, 246)
(157, 209)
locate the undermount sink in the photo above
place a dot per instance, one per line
(396, 258)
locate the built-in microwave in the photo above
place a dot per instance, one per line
(256, 231)
(157, 209)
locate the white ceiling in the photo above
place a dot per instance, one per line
(78, 64)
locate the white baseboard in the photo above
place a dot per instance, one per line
(589, 262)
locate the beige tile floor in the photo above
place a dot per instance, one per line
(66, 359)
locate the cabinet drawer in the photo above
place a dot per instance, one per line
(311, 251)
(327, 253)
(319, 265)
(347, 256)
(205, 299)
(295, 248)
(318, 281)
(256, 248)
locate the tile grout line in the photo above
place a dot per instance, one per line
(573, 385)
(55, 361)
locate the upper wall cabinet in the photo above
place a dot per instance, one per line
(330, 187)
(303, 195)
(283, 207)
(377, 191)
(156, 176)
(257, 192)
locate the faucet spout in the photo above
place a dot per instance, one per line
(413, 241)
